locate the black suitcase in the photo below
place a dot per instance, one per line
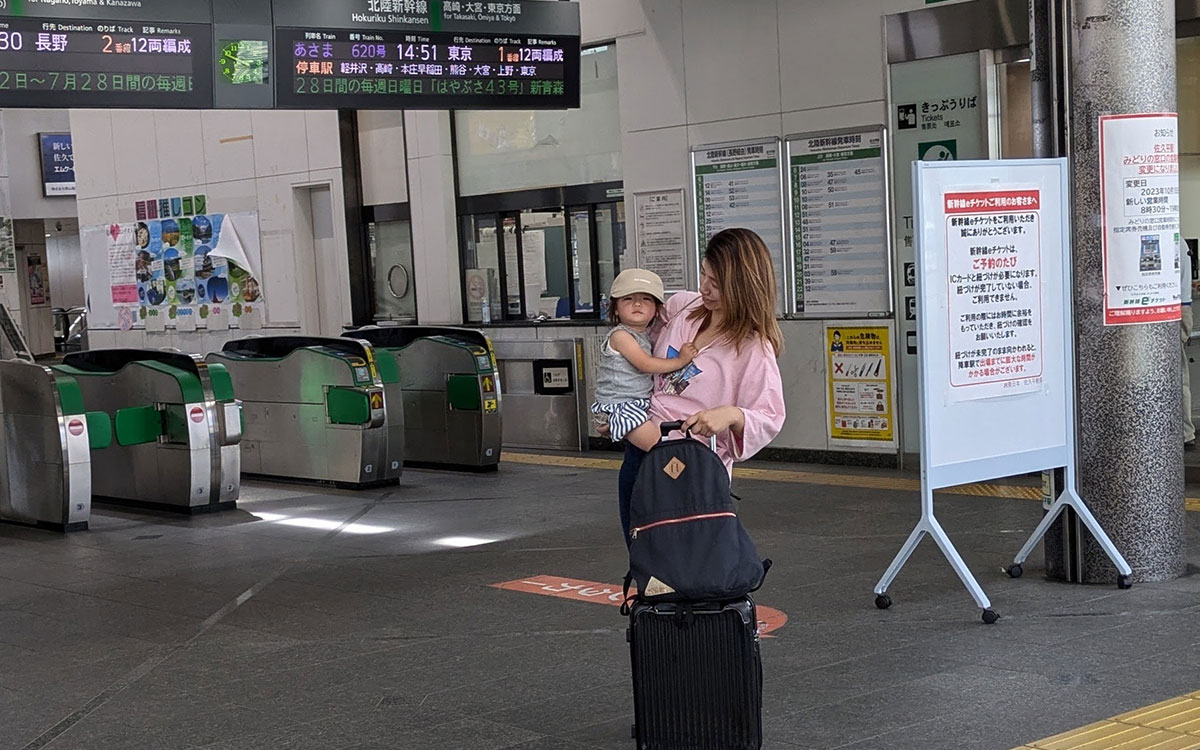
(697, 675)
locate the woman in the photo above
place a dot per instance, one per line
(732, 390)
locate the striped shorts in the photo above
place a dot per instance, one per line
(624, 417)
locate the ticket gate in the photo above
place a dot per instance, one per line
(45, 443)
(451, 393)
(176, 423)
(314, 409)
(545, 394)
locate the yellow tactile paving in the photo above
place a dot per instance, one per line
(828, 479)
(1171, 725)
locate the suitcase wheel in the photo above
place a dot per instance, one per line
(633, 731)
(628, 635)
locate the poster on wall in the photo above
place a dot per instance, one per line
(8, 246)
(661, 237)
(858, 367)
(126, 264)
(37, 279)
(994, 287)
(178, 270)
(839, 215)
(58, 164)
(1139, 189)
(740, 185)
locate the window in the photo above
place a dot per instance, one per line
(540, 255)
(502, 151)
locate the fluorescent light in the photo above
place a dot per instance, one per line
(463, 541)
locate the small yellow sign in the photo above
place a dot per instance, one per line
(491, 406)
(860, 383)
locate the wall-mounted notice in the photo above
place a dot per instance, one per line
(860, 385)
(124, 266)
(58, 164)
(1139, 184)
(994, 288)
(661, 237)
(839, 223)
(740, 185)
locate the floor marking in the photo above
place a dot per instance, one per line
(1171, 725)
(826, 479)
(769, 619)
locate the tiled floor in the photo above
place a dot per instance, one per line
(312, 618)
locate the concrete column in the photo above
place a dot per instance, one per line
(1122, 61)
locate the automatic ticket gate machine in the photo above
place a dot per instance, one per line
(451, 393)
(46, 438)
(314, 409)
(177, 427)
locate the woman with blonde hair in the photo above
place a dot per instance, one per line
(732, 389)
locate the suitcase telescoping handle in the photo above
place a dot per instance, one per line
(677, 426)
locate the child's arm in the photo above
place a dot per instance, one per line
(627, 347)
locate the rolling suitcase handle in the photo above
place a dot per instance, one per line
(677, 426)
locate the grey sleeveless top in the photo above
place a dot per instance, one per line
(617, 380)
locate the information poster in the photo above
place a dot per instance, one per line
(661, 238)
(994, 288)
(37, 279)
(860, 385)
(839, 211)
(1139, 184)
(124, 265)
(8, 246)
(739, 185)
(182, 269)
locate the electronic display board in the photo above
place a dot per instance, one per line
(136, 53)
(426, 54)
(395, 70)
(300, 54)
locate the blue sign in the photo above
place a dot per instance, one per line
(58, 164)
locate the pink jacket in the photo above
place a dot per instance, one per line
(719, 376)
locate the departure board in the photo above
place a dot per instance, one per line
(839, 212)
(739, 185)
(422, 54)
(398, 70)
(79, 63)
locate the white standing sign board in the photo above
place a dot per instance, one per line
(995, 339)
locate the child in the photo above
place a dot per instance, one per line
(625, 377)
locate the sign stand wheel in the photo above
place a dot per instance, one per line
(990, 616)
(883, 601)
(1015, 570)
(1124, 581)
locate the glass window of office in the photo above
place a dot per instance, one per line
(541, 206)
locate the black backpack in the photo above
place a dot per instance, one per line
(687, 542)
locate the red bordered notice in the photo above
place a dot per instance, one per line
(994, 291)
(1139, 186)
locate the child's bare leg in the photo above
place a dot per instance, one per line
(644, 436)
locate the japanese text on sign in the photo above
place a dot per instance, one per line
(993, 262)
(1140, 209)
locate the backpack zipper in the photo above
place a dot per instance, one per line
(633, 533)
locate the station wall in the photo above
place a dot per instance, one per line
(285, 166)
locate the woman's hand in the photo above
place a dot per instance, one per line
(712, 422)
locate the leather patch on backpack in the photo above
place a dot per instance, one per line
(655, 587)
(674, 468)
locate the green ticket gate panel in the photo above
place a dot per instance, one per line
(314, 408)
(45, 461)
(175, 429)
(449, 389)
